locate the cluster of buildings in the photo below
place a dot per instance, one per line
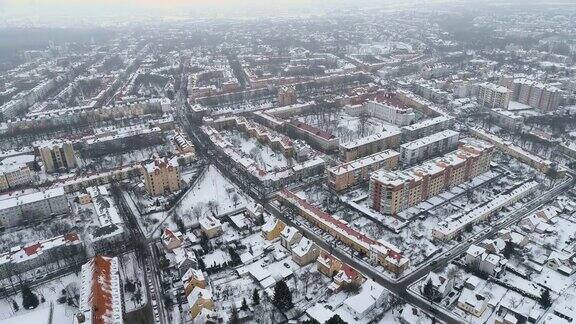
(16, 171)
(196, 289)
(394, 191)
(381, 252)
(533, 93)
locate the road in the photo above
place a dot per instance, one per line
(148, 256)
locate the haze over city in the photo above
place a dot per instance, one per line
(287, 161)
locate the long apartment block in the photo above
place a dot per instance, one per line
(349, 174)
(394, 191)
(427, 147)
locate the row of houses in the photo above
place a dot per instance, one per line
(540, 164)
(455, 224)
(381, 252)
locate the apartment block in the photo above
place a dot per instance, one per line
(365, 146)
(394, 191)
(33, 206)
(535, 94)
(493, 96)
(427, 147)
(162, 176)
(15, 171)
(57, 155)
(427, 127)
(100, 292)
(349, 174)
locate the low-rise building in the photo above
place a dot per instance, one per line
(382, 252)
(472, 302)
(40, 257)
(171, 239)
(210, 226)
(289, 237)
(305, 252)
(199, 299)
(193, 278)
(453, 225)
(272, 229)
(507, 119)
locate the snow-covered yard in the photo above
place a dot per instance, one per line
(212, 192)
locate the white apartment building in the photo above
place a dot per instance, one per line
(396, 115)
(429, 146)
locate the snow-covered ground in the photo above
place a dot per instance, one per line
(211, 192)
(50, 292)
(132, 272)
(264, 156)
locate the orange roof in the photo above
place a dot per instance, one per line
(101, 298)
(32, 249)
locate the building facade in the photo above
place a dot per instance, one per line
(493, 96)
(162, 176)
(427, 147)
(394, 191)
(349, 174)
(33, 207)
(57, 156)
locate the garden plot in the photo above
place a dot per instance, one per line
(264, 156)
(62, 294)
(346, 127)
(212, 193)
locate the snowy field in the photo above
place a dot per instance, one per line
(346, 127)
(212, 192)
(48, 294)
(264, 156)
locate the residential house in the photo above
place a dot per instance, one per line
(193, 278)
(305, 252)
(198, 299)
(472, 302)
(328, 264)
(272, 229)
(289, 237)
(171, 239)
(210, 226)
